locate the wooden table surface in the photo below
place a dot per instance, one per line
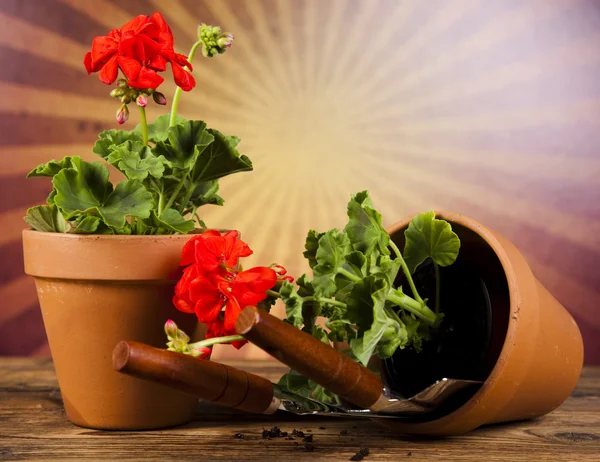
(33, 426)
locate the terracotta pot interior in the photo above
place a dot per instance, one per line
(477, 257)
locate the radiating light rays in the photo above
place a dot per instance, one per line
(330, 42)
(18, 160)
(12, 227)
(22, 290)
(22, 36)
(443, 18)
(270, 46)
(354, 43)
(333, 99)
(559, 115)
(577, 54)
(104, 12)
(290, 51)
(580, 299)
(515, 209)
(256, 65)
(549, 166)
(56, 104)
(309, 39)
(498, 30)
(178, 14)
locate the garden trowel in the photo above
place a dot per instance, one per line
(238, 389)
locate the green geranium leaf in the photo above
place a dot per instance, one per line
(172, 220)
(366, 309)
(330, 257)
(137, 161)
(159, 129)
(85, 224)
(109, 138)
(293, 304)
(206, 193)
(295, 382)
(184, 143)
(387, 267)
(53, 167)
(364, 226)
(219, 159)
(233, 141)
(428, 237)
(311, 246)
(355, 263)
(87, 190)
(46, 218)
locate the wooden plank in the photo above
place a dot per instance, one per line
(33, 425)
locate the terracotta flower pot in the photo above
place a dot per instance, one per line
(536, 354)
(95, 291)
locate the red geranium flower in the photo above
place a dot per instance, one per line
(208, 293)
(217, 329)
(211, 250)
(140, 48)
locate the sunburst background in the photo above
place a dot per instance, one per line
(489, 108)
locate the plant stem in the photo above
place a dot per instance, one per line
(409, 278)
(348, 274)
(161, 202)
(175, 193)
(328, 301)
(177, 94)
(215, 341)
(186, 199)
(419, 309)
(144, 125)
(436, 267)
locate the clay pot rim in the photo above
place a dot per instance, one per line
(107, 237)
(514, 297)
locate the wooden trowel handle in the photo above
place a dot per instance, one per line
(312, 358)
(206, 379)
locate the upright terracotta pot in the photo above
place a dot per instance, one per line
(537, 355)
(95, 291)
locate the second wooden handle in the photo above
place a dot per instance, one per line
(312, 358)
(208, 380)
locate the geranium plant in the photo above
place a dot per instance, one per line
(172, 165)
(354, 291)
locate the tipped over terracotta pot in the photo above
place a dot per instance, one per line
(94, 291)
(535, 355)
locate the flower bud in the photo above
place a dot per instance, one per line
(122, 114)
(126, 99)
(159, 98)
(171, 329)
(121, 83)
(117, 93)
(225, 41)
(201, 352)
(142, 100)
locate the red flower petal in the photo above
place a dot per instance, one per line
(109, 71)
(103, 49)
(232, 311)
(130, 67)
(182, 60)
(158, 63)
(87, 62)
(207, 298)
(235, 248)
(146, 79)
(250, 286)
(183, 79)
(137, 24)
